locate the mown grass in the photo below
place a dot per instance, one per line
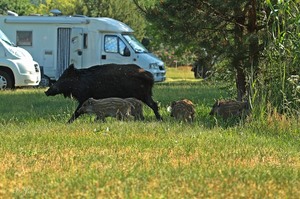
(43, 157)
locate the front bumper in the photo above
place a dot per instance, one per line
(159, 77)
(28, 79)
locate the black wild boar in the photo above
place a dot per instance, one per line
(108, 107)
(104, 81)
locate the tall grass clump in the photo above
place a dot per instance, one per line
(280, 81)
(275, 92)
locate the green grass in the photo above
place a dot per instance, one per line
(43, 157)
(180, 73)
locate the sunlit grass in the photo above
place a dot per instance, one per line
(182, 73)
(127, 159)
(43, 157)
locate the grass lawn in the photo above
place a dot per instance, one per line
(43, 157)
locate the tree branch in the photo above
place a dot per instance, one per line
(139, 7)
(217, 13)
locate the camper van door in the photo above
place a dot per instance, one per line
(76, 47)
(115, 50)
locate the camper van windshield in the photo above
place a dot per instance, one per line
(5, 39)
(135, 44)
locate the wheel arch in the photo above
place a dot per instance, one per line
(9, 72)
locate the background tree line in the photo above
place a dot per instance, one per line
(256, 41)
(252, 44)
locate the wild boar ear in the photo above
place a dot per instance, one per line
(72, 70)
(71, 66)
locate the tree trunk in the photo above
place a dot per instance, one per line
(240, 83)
(246, 54)
(239, 54)
(253, 40)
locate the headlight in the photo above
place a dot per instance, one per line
(153, 66)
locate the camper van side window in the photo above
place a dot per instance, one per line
(24, 38)
(85, 40)
(114, 44)
(111, 44)
(122, 47)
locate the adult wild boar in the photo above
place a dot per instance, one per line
(104, 81)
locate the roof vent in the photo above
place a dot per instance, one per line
(11, 13)
(55, 12)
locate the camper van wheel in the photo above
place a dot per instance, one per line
(45, 81)
(5, 81)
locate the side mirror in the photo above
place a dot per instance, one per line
(146, 42)
(126, 52)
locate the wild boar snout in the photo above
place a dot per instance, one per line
(52, 91)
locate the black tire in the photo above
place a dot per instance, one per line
(45, 81)
(197, 74)
(6, 81)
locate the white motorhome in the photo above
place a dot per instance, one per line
(57, 41)
(17, 68)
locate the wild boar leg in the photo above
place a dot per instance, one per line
(100, 116)
(76, 114)
(153, 105)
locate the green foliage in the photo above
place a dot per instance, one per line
(279, 80)
(213, 30)
(257, 40)
(21, 7)
(66, 7)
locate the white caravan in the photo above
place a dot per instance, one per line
(17, 68)
(57, 41)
